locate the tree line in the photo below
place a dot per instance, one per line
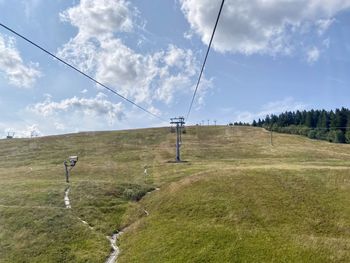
(333, 126)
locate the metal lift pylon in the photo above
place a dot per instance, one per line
(179, 122)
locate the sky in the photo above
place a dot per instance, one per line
(268, 56)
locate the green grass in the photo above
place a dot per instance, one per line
(240, 216)
(36, 227)
(236, 199)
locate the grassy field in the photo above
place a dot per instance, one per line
(236, 199)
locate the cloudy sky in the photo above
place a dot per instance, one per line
(268, 56)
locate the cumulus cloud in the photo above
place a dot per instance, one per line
(96, 21)
(259, 26)
(313, 55)
(97, 49)
(146, 78)
(104, 17)
(275, 107)
(121, 67)
(98, 106)
(13, 67)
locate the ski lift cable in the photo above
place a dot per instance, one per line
(205, 60)
(81, 72)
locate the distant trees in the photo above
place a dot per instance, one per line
(315, 124)
(241, 124)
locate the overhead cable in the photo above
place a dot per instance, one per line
(81, 72)
(205, 60)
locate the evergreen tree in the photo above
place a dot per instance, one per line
(332, 121)
(303, 117)
(323, 120)
(316, 124)
(298, 117)
(309, 120)
(341, 119)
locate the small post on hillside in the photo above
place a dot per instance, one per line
(68, 165)
(271, 138)
(179, 122)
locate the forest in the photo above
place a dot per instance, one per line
(333, 126)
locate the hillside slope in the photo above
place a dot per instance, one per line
(236, 199)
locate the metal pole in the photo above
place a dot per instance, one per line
(271, 139)
(67, 171)
(178, 143)
(179, 122)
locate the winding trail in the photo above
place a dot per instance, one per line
(85, 223)
(112, 239)
(115, 237)
(66, 198)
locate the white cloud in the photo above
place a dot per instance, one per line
(179, 58)
(275, 107)
(323, 25)
(59, 126)
(143, 78)
(80, 53)
(154, 110)
(313, 54)
(104, 18)
(177, 74)
(75, 119)
(146, 78)
(259, 26)
(287, 104)
(122, 68)
(96, 21)
(204, 87)
(98, 107)
(13, 67)
(188, 35)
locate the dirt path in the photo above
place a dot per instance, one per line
(112, 239)
(66, 198)
(115, 237)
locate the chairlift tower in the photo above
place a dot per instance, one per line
(10, 135)
(179, 122)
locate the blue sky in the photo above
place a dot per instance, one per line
(267, 57)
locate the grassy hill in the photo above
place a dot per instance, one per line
(236, 199)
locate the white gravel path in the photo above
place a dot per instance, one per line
(112, 239)
(66, 198)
